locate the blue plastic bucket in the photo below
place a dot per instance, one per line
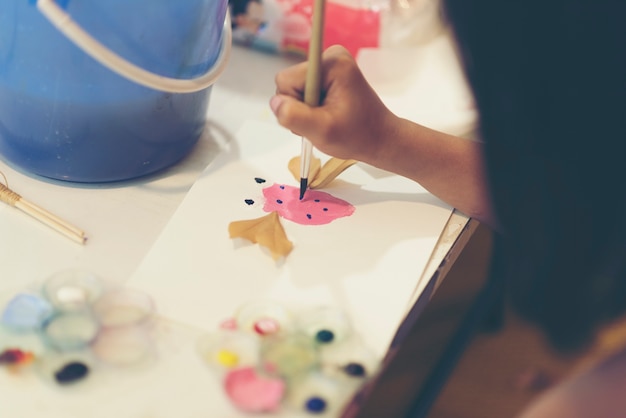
(106, 90)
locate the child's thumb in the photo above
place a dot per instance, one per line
(292, 114)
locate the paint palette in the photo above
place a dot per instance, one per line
(72, 324)
(311, 363)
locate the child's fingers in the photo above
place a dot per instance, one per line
(291, 80)
(293, 114)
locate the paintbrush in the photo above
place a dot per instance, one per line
(312, 87)
(11, 198)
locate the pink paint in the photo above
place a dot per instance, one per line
(251, 392)
(266, 326)
(317, 207)
(229, 324)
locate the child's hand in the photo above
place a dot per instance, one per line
(351, 121)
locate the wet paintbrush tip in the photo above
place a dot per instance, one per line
(303, 185)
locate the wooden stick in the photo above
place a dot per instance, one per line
(13, 199)
(32, 207)
(312, 87)
(312, 91)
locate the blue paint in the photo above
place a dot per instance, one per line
(315, 404)
(26, 312)
(324, 336)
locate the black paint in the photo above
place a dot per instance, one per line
(259, 180)
(324, 336)
(71, 372)
(249, 202)
(354, 369)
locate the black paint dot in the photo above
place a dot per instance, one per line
(325, 209)
(324, 336)
(317, 200)
(259, 180)
(308, 215)
(249, 202)
(71, 372)
(280, 202)
(282, 187)
(354, 369)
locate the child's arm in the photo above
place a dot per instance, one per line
(353, 123)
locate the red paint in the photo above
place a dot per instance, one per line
(16, 356)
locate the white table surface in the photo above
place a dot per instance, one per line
(122, 221)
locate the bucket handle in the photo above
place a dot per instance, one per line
(64, 23)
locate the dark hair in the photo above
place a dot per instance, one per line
(549, 79)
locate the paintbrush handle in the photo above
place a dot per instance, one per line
(313, 75)
(13, 199)
(52, 221)
(312, 87)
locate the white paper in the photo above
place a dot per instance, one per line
(368, 263)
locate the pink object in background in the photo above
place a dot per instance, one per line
(317, 207)
(285, 25)
(352, 27)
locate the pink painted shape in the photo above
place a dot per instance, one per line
(253, 393)
(316, 208)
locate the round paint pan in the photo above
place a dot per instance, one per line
(70, 330)
(124, 307)
(24, 311)
(65, 368)
(288, 356)
(318, 395)
(228, 349)
(263, 318)
(326, 325)
(128, 346)
(70, 290)
(18, 340)
(351, 361)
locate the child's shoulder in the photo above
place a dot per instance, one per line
(597, 392)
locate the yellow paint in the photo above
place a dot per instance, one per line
(227, 358)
